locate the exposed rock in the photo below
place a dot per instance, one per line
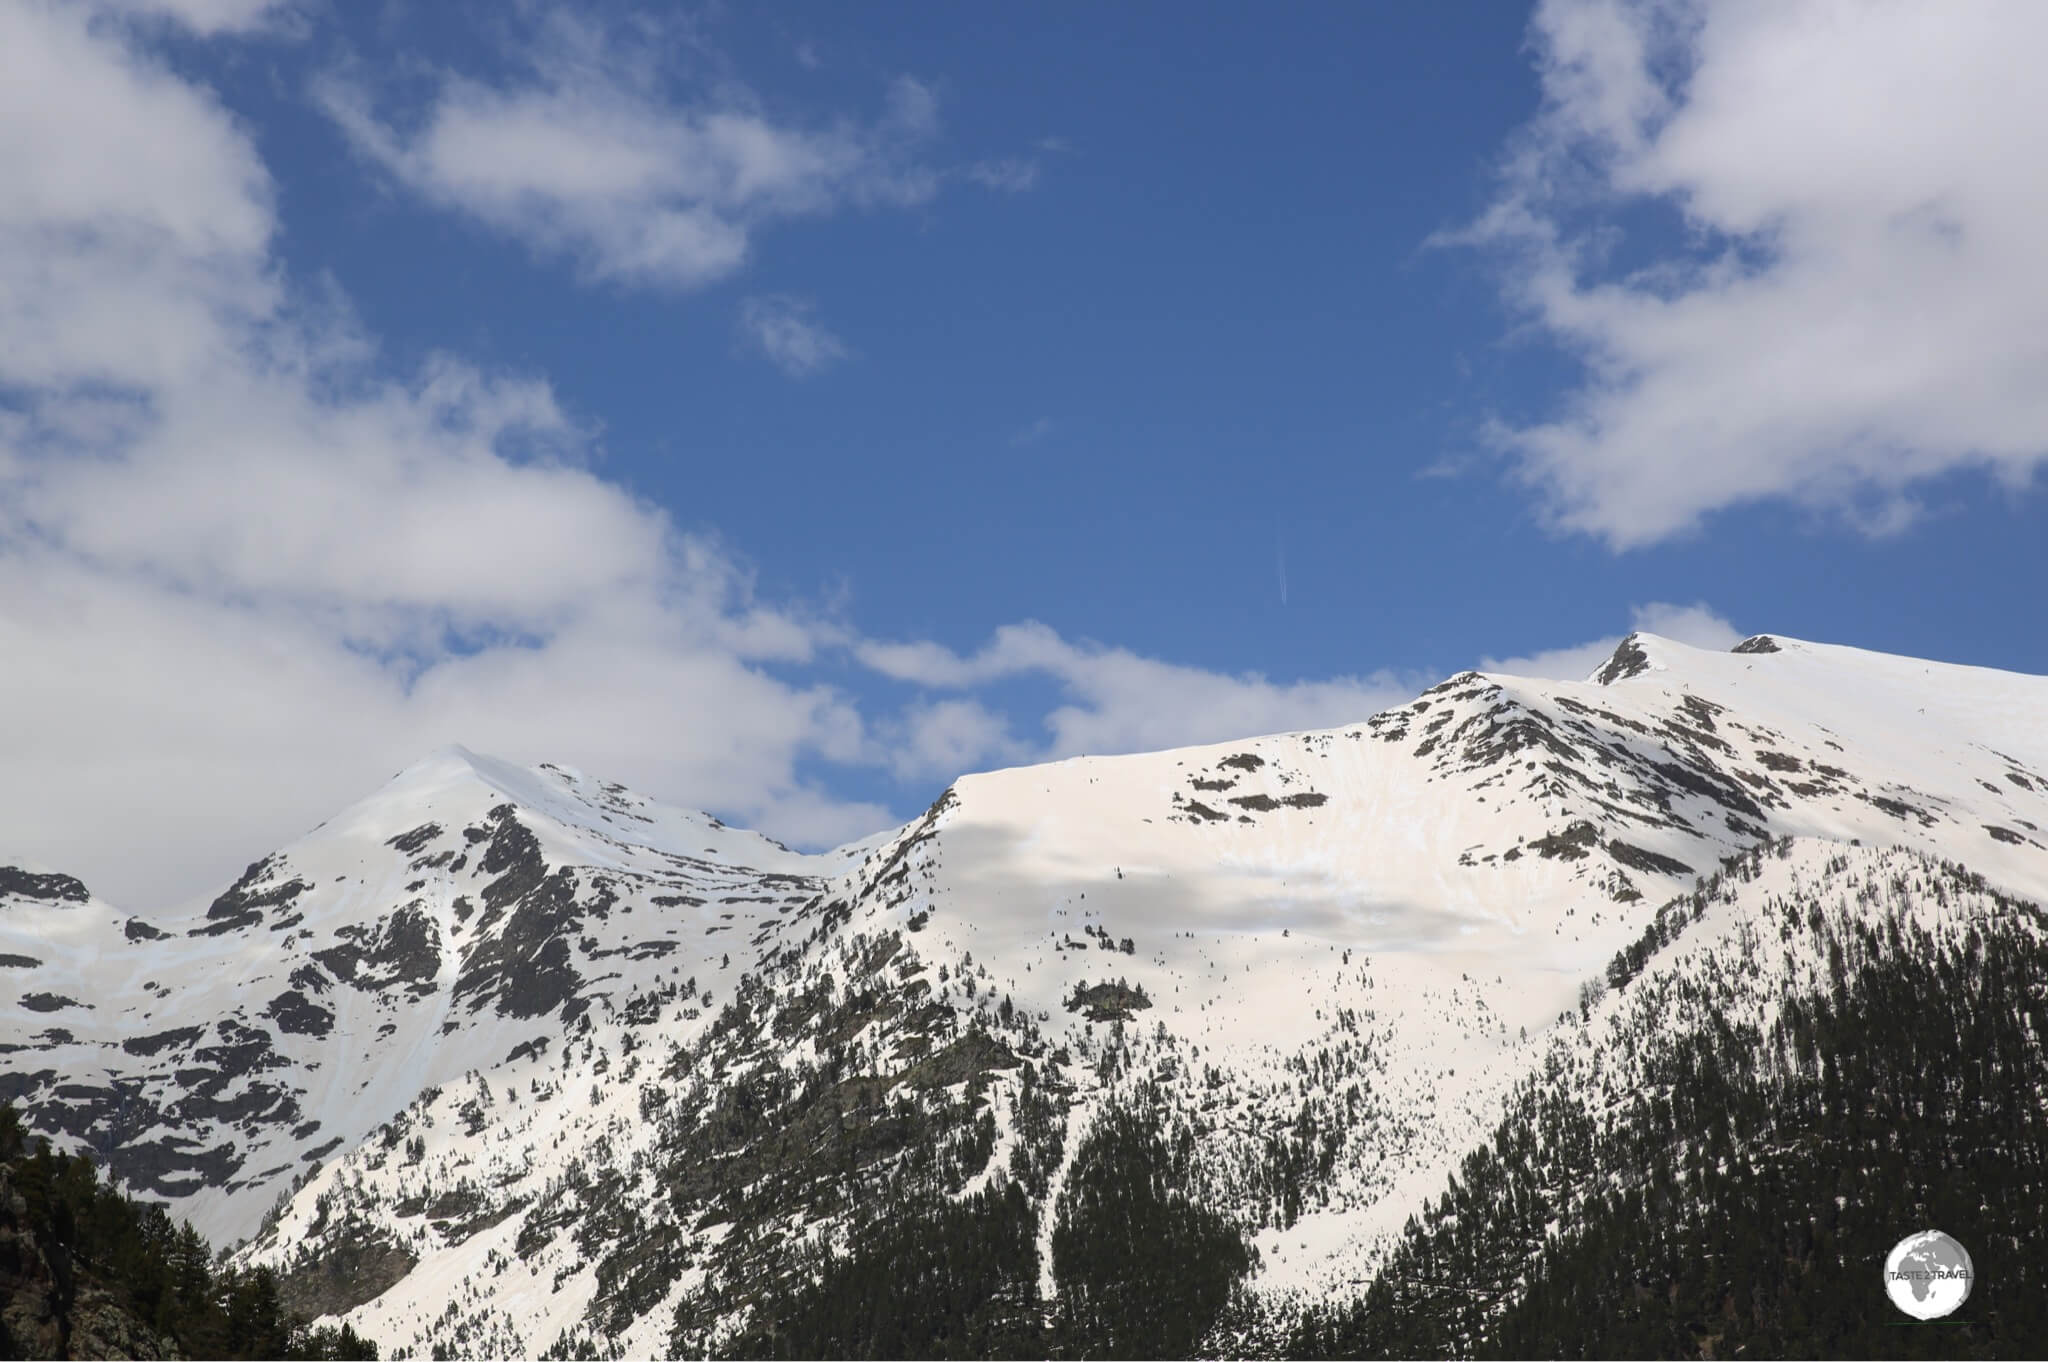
(178, 1036)
(243, 905)
(1628, 660)
(1575, 842)
(296, 1015)
(410, 842)
(1636, 858)
(403, 949)
(525, 968)
(1108, 1002)
(28, 885)
(53, 1306)
(358, 1263)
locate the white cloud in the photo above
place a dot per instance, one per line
(1858, 302)
(783, 329)
(1119, 701)
(246, 572)
(1696, 625)
(244, 575)
(939, 740)
(593, 157)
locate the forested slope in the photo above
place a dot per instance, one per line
(88, 1272)
(1730, 1184)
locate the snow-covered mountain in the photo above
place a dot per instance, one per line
(467, 909)
(521, 1059)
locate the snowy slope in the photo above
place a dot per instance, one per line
(466, 909)
(584, 1053)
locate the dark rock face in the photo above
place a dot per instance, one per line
(1757, 643)
(58, 888)
(967, 1058)
(1569, 845)
(241, 1052)
(513, 857)
(145, 1046)
(138, 930)
(297, 1016)
(357, 1266)
(110, 1118)
(410, 842)
(15, 1086)
(1637, 858)
(526, 968)
(166, 1166)
(404, 949)
(1628, 660)
(243, 905)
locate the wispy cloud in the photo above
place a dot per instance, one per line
(1857, 302)
(1008, 176)
(785, 330)
(596, 157)
(206, 17)
(1032, 434)
(1116, 700)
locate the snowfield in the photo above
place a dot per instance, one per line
(503, 1058)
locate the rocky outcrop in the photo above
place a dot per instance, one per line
(52, 1305)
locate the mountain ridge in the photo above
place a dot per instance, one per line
(1331, 954)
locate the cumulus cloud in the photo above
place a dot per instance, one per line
(1852, 299)
(1120, 701)
(1697, 625)
(247, 571)
(939, 740)
(592, 155)
(786, 331)
(245, 574)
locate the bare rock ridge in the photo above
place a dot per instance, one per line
(498, 1026)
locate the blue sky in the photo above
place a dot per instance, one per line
(785, 410)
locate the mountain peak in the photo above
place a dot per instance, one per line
(1629, 658)
(1645, 652)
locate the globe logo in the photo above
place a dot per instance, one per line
(1928, 1275)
